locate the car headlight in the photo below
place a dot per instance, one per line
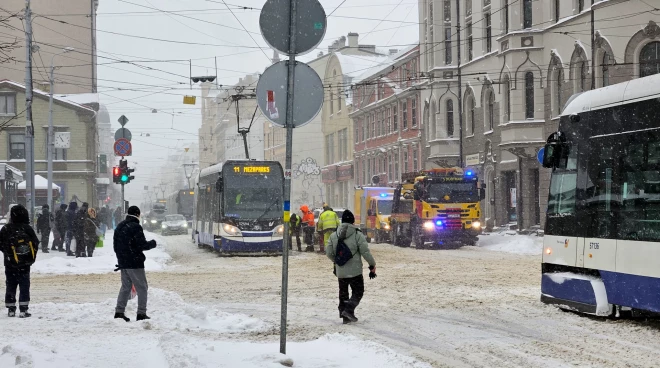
(385, 225)
(164, 226)
(185, 225)
(278, 230)
(231, 230)
(429, 225)
(476, 225)
(153, 221)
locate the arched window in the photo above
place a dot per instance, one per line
(491, 110)
(450, 118)
(470, 114)
(332, 101)
(433, 121)
(583, 75)
(649, 59)
(580, 6)
(558, 86)
(529, 95)
(605, 67)
(507, 99)
(527, 14)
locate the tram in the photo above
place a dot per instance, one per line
(601, 250)
(239, 207)
(181, 203)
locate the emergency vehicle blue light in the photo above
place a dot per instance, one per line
(383, 195)
(438, 223)
(468, 173)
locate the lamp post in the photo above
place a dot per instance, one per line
(51, 139)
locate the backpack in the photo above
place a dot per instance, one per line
(22, 252)
(343, 252)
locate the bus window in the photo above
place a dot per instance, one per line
(562, 193)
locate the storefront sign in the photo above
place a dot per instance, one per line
(472, 160)
(345, 172)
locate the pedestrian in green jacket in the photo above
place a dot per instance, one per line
(350, 274)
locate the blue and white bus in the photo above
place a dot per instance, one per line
(601, 251)
(239, 207)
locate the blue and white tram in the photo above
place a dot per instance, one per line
(601, 250)
(239, 207)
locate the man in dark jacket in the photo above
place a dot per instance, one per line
(43, 227)
(102, 217)
(79, 230)
(17, 275)
(59, 229)
(117, 216)
(129, 244)
(70, 226)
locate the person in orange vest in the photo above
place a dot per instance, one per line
(308, 227)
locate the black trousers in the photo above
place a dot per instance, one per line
(357, 287)
(45, 238)
(308, 232)
(297, 235)
(58, 239)
(13, 280)
(80, 244)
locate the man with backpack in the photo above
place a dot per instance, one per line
(19, 245)
(43, 227)
(346, 247)
(129, 245)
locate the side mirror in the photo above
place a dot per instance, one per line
(218, 185)
(555, 155)
(482, 194)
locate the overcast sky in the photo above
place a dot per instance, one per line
(216, 33)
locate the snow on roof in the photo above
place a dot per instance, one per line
(39, 183)
(383, 64)
(81, 98)
(352, 65)
(46, 95)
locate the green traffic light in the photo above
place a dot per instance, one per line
(124, 178)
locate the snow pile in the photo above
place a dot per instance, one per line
(178, 335)
(511, 242)
(103, 261)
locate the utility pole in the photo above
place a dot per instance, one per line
(593, 48)
(29, 126)
(460, 98)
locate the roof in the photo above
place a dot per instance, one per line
(39, 183)
(44, 95)
(352, 65)
(636, 90)
(81, 98)
(385, 64)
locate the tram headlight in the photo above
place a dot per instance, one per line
(231, 230)
(429, 225)
(163, 226)
(476, 225)
(278, 230)
(154, 221)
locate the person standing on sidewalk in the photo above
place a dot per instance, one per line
(350, 273)
(308, 227)
(129, 245)
(19, 246)
(70, 225)
(59, 228)
(43, 227)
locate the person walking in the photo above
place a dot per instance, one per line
(129, 245)
(79, 230)
(19, 246)
(70, 225)
(59, 228)
(91, 231)
(43, 227)
(117, 216)
(108, 218)
(328, 223)
(350, 273)
(295, 224)
(308, 227)
(102, 215)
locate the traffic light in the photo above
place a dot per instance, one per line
(116, 175)
(123, 172)
(129, 171)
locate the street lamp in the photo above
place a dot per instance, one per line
(51, 139)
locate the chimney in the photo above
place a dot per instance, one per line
(332, 47)
(393, 51)
(341, 42)
(353, 40)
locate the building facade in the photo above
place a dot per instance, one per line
(387, 125)
(74, 168)
(520, 61)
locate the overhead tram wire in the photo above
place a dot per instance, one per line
(246, 31)
(332, 12)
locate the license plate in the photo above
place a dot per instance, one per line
(454, 216)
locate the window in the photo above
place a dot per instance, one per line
(389, 121)
(450, 118)
(338, 99)
(329, 149)
(390, 172)
(344, 148)
(468, 32)
(507, 100)
(395, 123)
(16, 146)
(446, 8)
(356, 134)
(527, 14)
(447, 45)
(606, 69)
(365, 128)
(396, 166)
(558, 95)
(649, 59)
(491, 110)
(414, 112)
(580, 6)
(7, 104)
(404, 114)
(431, 38)
(332, 102)
(378, 132)
(468, 8)
(415, 159)
(470, 114)
(489, 33)
(529, 95)
(373, 126)
(583, 76)
(405, 160)
(505, 15)
(557, 10)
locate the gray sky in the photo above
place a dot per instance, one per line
(217, 34)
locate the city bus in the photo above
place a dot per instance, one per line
(239, 207)
(601, 250)
(181, 203)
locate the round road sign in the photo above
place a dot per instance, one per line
(123, 133)
(310, 25)
(123, 147)
(307, 94)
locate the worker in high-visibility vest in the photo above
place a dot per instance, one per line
(328, 223)
(308, 227)
(294, 229)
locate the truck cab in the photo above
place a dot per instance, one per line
(373, 207)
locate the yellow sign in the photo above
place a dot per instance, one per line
(189, 100)
(192, 193)
(252, 169)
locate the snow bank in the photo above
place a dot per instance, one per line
(103, 261)
(179, 334)
(511, 242)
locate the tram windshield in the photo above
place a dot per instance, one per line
(253, 194)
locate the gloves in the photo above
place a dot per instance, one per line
(372, 273)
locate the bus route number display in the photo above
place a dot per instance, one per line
(252, 169)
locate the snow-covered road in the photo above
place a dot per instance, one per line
(470, 307)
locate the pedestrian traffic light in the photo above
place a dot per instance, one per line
(116, 175)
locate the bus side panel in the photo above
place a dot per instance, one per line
(634, 257)
(599, 254)
(560, 250)
(640, 292)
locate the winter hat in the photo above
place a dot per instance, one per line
(63, 206)
(19, 215)
(45, 207)
(134, 211)
(347, 217)
(85, 205)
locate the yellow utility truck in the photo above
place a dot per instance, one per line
(373, 206)
(440, 206)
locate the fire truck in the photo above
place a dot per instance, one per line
(439, 206)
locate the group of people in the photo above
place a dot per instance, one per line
(339, 236)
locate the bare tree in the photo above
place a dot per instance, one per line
(6, 47)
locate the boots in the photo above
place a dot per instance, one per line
(122, 316)
(11, 312)
(141, 317)
(24, 314)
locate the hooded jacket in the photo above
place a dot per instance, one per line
(90, 226)
(43, 222)
(308, 216)
(60, 220)
(357, 243)
(20, 219)
(71, 216)
(129, 243)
